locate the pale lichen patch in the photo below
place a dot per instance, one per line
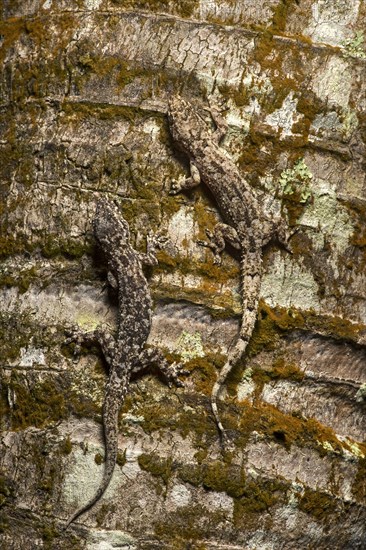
(189, 346)
(285, 117)
(289, 284)
(331, 20)
(333, 83)
(246, 386)
(179, 496)
(181, 228)
(328, 217)
(31, 356)
(110, 540)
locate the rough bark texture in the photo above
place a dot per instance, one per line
(84, 89)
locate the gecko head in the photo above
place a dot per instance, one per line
(182, 121)
(177, 107)
(110, 228)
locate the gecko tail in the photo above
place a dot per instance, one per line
(113, 399)
(109, 468)
(234, 355)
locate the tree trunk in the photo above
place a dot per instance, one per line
(84, 93)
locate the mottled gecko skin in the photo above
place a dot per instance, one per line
(125, 353)
(247, 228)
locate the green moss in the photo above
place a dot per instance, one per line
(10, 30)
(43, 405)
(22, 281)
(44, 76)
(359, 484)
(133, 210)
(257, 497)
(284, 429)
(188, 528)
(222, 477)
(191, 473)
(156, 466)
(219, 274)
(239, 95)
(281, 370)
(15, 334)
(87, 66)
(261, 153)
(84, 406)
(101, 111)
(280, 14)
(54, 247)
(309, 105)
(98, 459)
(121, 459)
(274, 323)
(50, 246)
(7, 492)
(320, 506)
(266, 333)
(193, 419)
(66, 446)
(184, 8)
(204, 371)
(158, 417)
(251, 497)
(49, 533)
(197, 423)
(28, 398)
(216, 475)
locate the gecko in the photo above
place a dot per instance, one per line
(246, 226)
(126, 352)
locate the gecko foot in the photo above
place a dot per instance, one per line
(211, 243)
(153, 356)
(76, 337)
(176, 187)
(157, 240)
(226, 442)
(173, 372)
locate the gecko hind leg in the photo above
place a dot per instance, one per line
(154, 357)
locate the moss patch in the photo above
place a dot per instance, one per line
(183, 8)
(274, 323)
(28, 400)
(156, 466)
(320, 506)
(284, 429)
(38, 408)
(359, 484)
(280, 14)
(251, 497)
(258, 498)
(21, 281)
(188, 528)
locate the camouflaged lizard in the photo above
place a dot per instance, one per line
(125, 353)
(247, 227)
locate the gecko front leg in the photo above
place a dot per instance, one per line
(184, 184)
(219, 121)
(153, 243)
(221, 235)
